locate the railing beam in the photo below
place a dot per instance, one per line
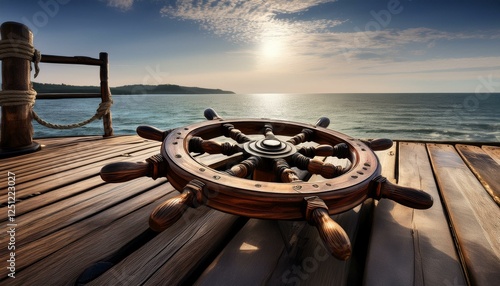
(71, 60)
(67, 95)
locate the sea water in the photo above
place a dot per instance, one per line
(429, 116)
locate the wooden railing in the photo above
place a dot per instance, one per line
(105, 93)
(17, 96)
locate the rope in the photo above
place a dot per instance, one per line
(20, 97)
(102, 110)
(17, 97)
(10, 48)
(24, 50)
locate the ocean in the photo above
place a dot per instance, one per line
(416, 116)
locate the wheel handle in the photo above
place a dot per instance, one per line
(167, 213)
(119, 172)
(333, 235)
(152, 133)
(409, 197)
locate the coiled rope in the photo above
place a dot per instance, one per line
(20, 49)
(24, 50)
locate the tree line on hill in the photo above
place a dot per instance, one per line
(127, 89)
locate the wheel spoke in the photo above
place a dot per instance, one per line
(326, 170)
(235, 134)
(340, 151)
(303, 136)
(245, 167)
(268, 131)
(198, 145)
(284, 172)
(320, 150)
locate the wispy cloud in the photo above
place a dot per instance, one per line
(255, 21)
(123, 5)
(392, 44)
(323, 49)
(245, 21)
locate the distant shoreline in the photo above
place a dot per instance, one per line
(128, 89)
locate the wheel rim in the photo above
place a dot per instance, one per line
(262, 199)
(266, 160)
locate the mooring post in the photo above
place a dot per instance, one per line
(16, 136)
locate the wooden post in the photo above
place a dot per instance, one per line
(16, 135)
(105, 94)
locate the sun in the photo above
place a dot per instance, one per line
(271, 48)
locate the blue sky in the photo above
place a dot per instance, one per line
(281, 46)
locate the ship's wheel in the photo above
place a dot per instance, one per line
(263, 182)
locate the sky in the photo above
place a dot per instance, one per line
(264, 46)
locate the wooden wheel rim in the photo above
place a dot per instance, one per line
(271, 200)
(269, 159)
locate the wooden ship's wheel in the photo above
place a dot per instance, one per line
(264, 183)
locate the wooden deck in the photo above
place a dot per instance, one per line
(71, 228)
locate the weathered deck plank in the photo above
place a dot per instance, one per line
(493, 151)
(249, 249)
(408, 246)
(29, 253)
(175, 252)
(49, 219)
(79, 155)
(484, 167)
(384, 231)
(47, 198)
(37, 182)
(54, 150)
(207, 238)
(64, 266)
(474, 216)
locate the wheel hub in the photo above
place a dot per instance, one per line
(270, 148)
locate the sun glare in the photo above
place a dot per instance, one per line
(271, 48)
